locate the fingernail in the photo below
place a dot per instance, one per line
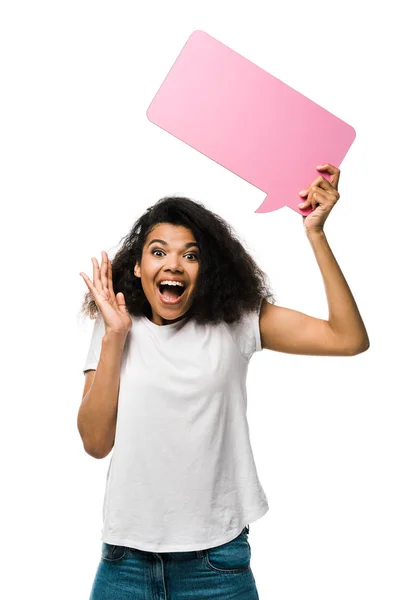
(302, 192)
(301, 203)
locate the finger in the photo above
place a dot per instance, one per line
(320, 183)
(327, 191)
(103, 272)
(323, 184)
(328, 194)
(304, 192)
(313, 199)
(333, 171)
(121, 301)
(319, 199)
(88, 282)
(307, 202)
(96, 274)
(322, 196)
(110, 283)
(316, 197)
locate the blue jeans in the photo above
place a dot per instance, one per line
(218, 573)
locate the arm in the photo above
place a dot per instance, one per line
(97, 415)
(293, 332)
(344, 334)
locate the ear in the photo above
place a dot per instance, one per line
(136, 270)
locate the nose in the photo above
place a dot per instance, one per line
(173, 264)
(174, 269)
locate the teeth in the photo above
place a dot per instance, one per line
(167, 282)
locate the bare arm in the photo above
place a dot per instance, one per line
(293, 332)
(344, 334)
(97, 415)
(344, 317)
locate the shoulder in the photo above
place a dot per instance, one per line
(246, 333)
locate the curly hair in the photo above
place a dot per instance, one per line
(229, 283)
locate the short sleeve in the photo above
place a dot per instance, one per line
(246, 334)
(93, 354)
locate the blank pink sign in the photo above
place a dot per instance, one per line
(248, 121)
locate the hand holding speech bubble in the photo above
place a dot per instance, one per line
(248, 121)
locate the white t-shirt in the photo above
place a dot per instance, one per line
(182, 475)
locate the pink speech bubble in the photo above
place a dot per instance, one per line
(248, 121)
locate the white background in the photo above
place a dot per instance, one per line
(79, 164)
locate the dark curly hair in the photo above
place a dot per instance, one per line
(229, 283)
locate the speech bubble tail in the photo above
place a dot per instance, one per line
(269, 205)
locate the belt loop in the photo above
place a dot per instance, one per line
(199, 553)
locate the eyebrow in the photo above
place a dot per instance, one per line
(164, 243)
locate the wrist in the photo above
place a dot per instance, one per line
(315, 233)
(114, 337)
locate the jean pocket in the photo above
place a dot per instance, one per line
(233, 557)
(112, 553)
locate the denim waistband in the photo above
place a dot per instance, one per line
(200, 553)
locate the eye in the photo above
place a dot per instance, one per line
(193, 254)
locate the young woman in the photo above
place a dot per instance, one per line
(179, 313)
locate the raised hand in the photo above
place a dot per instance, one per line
(322, 196)
(113, 308)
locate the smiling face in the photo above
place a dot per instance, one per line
(170, 254)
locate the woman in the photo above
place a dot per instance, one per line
(179, 314)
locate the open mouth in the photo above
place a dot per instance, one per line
(171, 293)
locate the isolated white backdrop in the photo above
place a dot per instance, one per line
(80, 162)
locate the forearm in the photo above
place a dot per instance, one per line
(97, 416)
(344, 317)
